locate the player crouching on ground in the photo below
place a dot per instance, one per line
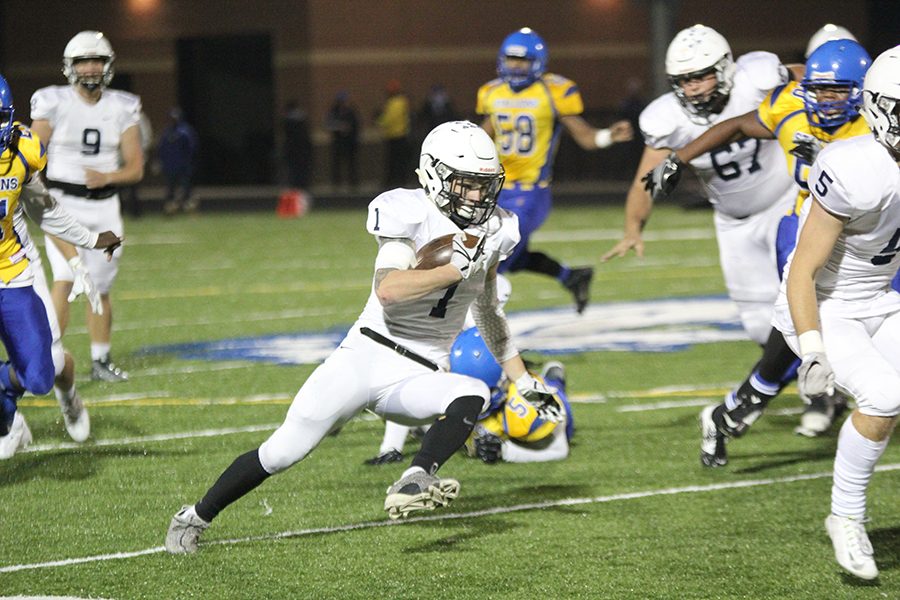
(392, 360)
(513, 429)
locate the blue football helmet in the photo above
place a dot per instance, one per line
(7, 114)
(835, 64)
(470, 356)
(528, 45)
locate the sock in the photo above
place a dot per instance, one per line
(244, 475)
(778, 362)
(539, 262)
(64, 396)
(7, 413)
(743, 406)
(854, 464)
(99, 351)
(449, 432)
(394, 437)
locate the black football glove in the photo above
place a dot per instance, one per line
(661, 181)
(487, 445)
(806, 150)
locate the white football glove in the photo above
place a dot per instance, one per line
(466, 259)
(83, 284)
(815, 377)
(540, 395)
(661, 181)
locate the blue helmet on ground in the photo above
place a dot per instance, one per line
(835, 65)
(470, 356)
(523, 44)
(7, 114)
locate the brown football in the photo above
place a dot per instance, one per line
(438, 251)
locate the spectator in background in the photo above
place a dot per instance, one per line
(394, 123)
(177, 153)
(343, 124)
(297, 146)
(437, 109)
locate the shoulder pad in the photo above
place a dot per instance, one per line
(43, 103)
(396, 214)
(31, 148)
(503, 229)
(658, 121)
(763, 70)
(848, 177)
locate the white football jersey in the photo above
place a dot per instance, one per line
(742, 178)
(857, 179)
(85, 136)
(429, 325)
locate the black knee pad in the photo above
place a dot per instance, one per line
(465, 406)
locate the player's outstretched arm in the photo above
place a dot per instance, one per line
(590, 138)
(746, 125)
(638, 206)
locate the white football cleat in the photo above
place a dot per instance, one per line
(419, 491)
(184, 531)
(76, 418)
(19, 436)
(852, 548)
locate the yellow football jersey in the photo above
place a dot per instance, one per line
(783, 114)
(526, 124)
(18, 164)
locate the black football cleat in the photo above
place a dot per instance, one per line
(579, 283)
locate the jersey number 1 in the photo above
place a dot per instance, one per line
(439, 310)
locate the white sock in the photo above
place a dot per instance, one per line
(99, 351)
(412, 470)
(854, 464)
(394, 437)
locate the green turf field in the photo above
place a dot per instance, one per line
(631, 514)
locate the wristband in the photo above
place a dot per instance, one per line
(75, 262)
(603, 138)
(811, 341)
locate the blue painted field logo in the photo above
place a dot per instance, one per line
(648, 326)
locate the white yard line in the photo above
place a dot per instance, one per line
(497, 510)
(161, 437)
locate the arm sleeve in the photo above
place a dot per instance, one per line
(517, 453)
(491, 322)
(41, 208)
(395, 254)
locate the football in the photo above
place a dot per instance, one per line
(438, 251)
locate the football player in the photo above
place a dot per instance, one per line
(525, 109)
(745, 181)
(802, 118)
(837, 310)
(511, 429)
(94, 146)
(35, 355)
(393, 361)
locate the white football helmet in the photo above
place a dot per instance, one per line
(461, 172)
(881, 100)
(826, 34)
(89, 44)
(695, 52)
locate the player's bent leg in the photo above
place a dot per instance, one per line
(457, 411)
